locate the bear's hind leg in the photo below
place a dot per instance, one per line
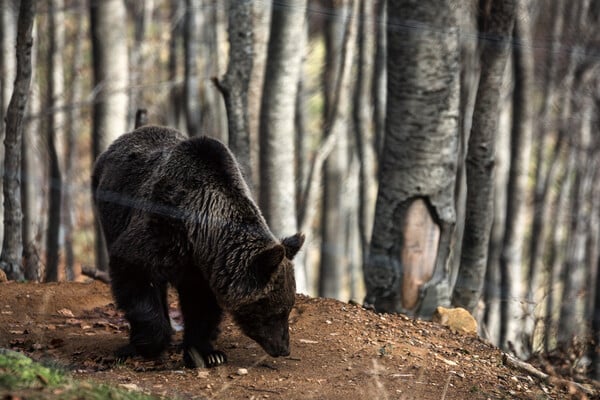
(146, 311)
(201, 317)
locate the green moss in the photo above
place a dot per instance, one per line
(21, 376)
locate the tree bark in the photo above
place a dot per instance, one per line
(73, 127)
(572, 317)
(339, 43)
(110, 58)
(55, 123)
(277, 195)
(234, 85)
(191, 85)
(511, 257)
(380, 74)
(364, 136)
(8, 32)
(407, 268)
(497, 33)
(12, 244)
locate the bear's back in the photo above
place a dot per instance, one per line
(121, 171)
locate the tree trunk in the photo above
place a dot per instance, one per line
(12, 244)
(338, 47)
(191, 85)
(572, 319)
(491, 318)
(277, 196)
(73, 127)
(363, 126)
(480, 157)
(234, 85)
(109, 47)
(380, 74)
(55, 123)
(8, 32)
(407, 268)
(511, 257)
(261, 26)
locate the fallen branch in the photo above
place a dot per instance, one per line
(531, 370)
(95, 273)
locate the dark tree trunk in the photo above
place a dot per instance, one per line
(12, 244)
(234, 85)
(480, 157)
(55, 101)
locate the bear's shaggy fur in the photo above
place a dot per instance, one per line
(176, 210)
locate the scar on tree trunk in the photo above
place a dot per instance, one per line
(421, 240)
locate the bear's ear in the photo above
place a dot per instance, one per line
(292, 245)
(266, 262)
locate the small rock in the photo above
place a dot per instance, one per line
(202, 374)
(242, 371)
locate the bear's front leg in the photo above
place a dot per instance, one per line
(201, 317)
(144, 304)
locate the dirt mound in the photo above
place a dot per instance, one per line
(339, 351)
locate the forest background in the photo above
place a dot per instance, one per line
(434, 152)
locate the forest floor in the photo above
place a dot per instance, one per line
(338, 351)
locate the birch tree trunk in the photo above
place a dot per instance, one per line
(277, 196)
(12, 244)
(407, 268)
(110, 59)
(497, 33)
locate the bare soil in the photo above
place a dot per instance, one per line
(339, 351)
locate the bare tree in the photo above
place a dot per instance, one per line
(407, 267)
(496, 32)
(277, 187)
(191, 82)
(340, 33)
(55, 123)
(234, 85)
(12, 244)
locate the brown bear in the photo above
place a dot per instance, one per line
(178, 211)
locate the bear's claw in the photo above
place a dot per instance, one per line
(193, 359)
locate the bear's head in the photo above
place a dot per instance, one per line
(265, 317)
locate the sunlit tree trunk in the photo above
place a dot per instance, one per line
(8, 32)
(511, 256)
(12, 244)
(73, 128)
(407, 268)
(110, 58)
(491, 318)
(277, 196)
